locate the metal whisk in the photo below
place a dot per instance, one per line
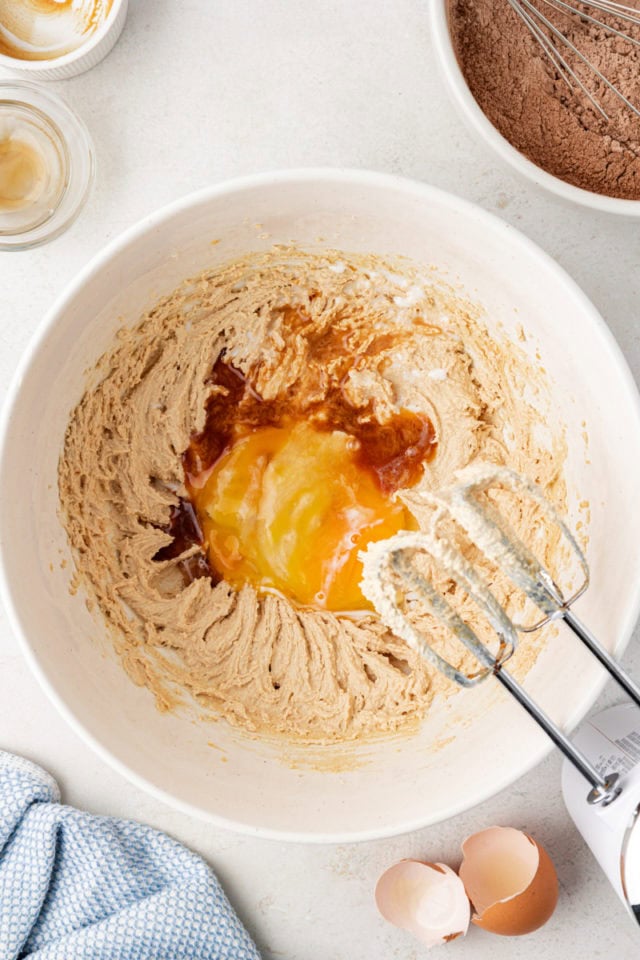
(607, 14)
(391, 578)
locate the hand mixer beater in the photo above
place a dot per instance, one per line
(394, 582)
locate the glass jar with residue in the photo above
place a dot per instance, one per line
(46, 165)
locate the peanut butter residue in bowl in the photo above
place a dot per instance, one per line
(245, 439)
(33, 167)
(23, 174)
(48, 29)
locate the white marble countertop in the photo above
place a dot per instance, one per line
(196, 92)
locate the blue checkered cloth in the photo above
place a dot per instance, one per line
(74, 886)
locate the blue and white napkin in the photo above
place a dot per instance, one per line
(74, 886)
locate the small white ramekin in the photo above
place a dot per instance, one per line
(86, 56)
(479, 122)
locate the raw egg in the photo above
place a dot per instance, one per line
(427, 899)
(510, 881)
(284, 492)
(290, 507)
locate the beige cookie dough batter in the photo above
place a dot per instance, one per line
(258, 659)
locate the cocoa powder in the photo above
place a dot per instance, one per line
(526, 99)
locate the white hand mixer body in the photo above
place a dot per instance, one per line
(391, 579)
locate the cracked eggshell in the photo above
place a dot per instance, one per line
(510, 881)
(427, 899)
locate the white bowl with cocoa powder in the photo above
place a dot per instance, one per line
(473, 114)
(470, 746)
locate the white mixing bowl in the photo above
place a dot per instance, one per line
(472, 113)
(473, 745)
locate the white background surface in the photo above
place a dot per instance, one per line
(199, 91)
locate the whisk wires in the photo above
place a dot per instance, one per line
(558, 47)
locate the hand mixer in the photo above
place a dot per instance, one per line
(391, 578)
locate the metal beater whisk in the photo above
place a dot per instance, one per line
(391, 579)
(560, 49)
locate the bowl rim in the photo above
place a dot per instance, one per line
(38, 66)
(38, 342)
(480, 123)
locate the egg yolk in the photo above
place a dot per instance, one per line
(289, 507)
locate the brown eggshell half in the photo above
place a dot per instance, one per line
(530, 903)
